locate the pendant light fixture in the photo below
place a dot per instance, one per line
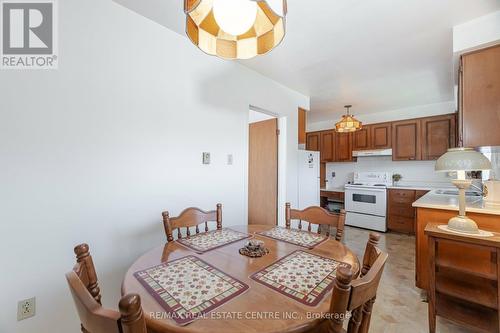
(235, 29)
(348, 123)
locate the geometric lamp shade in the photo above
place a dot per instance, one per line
(267, 31)
(348, 123)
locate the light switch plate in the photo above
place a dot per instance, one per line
(26, 309)
(230, 159)
(206, 158)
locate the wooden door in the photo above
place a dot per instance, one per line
(302, 126)
(406, 140)
(438, 135)
(313, 141)
(263, 173)
(327, 146)
(362, 139)
(381, 137)
(343, 147)
(480, 97)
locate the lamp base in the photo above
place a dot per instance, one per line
(463, 224)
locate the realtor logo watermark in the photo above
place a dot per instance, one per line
(29, 34)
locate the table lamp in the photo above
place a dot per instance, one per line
(462, 160)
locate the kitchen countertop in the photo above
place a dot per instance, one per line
(418, 187)
(450, 202)
(422, 186)
(333, 189)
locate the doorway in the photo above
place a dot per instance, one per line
(263, 168)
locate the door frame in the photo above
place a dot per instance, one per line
(282, 156)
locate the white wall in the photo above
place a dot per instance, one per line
(413, 172)
(94, 151)
(480, 32)
(390, 115)
(256, 116)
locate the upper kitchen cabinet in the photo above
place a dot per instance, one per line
(313, 140)
(438, 135)
(362, 139)
(479, 98)
(381, 136)
(327, 147)
(343, 147)
(406, 140)
(376, 136)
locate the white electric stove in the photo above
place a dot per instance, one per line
(366, 200)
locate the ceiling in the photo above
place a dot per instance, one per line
(378, 55)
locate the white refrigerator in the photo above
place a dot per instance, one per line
(308, 181)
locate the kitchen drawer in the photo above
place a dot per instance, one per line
(337, 196)
(402, 196)
(403, 210)
(401, 224)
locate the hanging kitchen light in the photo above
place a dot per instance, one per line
(235, 29)
(348, 123)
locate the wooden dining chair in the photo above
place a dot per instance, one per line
(190, 217)
(356, 296)
(316, 215)
(86, 294)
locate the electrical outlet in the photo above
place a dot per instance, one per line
(26, 309)
(230, 159)
(206, 158)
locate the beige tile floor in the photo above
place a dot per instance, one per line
(399, 307)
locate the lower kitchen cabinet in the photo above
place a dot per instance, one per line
(401, 214)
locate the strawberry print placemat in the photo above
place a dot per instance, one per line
(301, 275)
(188, 288)
(294, 236)
(211, 240)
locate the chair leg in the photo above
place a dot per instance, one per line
(367, 315)
(432, 318)
(355, 321)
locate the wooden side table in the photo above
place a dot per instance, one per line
(465, 293)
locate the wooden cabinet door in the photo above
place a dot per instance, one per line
(313, 141)
(302, 126)
(480, 98)
(343, 144)
(406, 140)
(381, 136)
(361, 139)
(327, 150)
(438, 134)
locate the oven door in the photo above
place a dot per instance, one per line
(370, 201)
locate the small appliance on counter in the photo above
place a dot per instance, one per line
(366, 200)
(491, 192)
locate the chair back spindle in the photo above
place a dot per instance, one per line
(190, 217)
(316, 215)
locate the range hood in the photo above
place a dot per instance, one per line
(372, 152)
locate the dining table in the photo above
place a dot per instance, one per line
(259, 308)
